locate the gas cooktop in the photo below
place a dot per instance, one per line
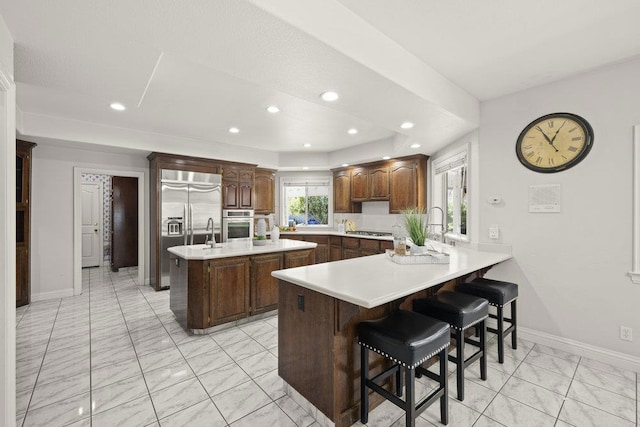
(370, 233)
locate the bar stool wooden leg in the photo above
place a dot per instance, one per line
(459, 359)
(514, 332)
(410, 398)
(364, 391)
(399, 382)
(500, 319)
(444, 383)
(483, 358)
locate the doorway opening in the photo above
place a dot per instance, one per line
(84, 235)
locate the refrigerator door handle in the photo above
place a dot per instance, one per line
(185, 230)
(191, 221)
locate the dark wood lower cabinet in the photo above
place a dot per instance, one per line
(264, 287)
(206, 293)
(229, 289)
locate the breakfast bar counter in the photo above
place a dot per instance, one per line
(321, 305)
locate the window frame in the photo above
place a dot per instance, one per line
(451, 159)
(306, 180)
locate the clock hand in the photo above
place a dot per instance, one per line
(547, 138)
(554, 136)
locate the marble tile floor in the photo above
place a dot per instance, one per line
(115, 356)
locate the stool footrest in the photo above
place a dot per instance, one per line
(504, 333)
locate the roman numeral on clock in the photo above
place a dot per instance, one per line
(573, 149)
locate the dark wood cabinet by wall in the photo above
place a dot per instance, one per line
(299, 258)
(407, 185)
(23, 222)
(264, 191)
(342, 192)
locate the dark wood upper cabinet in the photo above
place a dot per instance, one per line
(401, 181)
(237, 186)
(359, 185)
(264, 191)
(23, 222)
(408, 184)
(379, 183)
(342, 192)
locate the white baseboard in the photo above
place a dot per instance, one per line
(621, 360)
(41, 296)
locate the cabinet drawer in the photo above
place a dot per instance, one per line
(369, 244)
(350, 242)
(321, 240)
(385, 244)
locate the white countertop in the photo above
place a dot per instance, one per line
(375, 280)
(242, 248)
(334, 233)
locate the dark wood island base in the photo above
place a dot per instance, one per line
(318, 352)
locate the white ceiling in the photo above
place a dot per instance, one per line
(187, 71)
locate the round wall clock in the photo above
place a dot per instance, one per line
(554, 142)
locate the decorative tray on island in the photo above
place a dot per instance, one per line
(422, 258)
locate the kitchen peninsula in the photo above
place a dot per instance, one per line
(321, 305)
(232, 281)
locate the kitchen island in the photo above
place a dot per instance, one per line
(232, 281)
(321, 305)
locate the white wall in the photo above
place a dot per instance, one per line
(7, 232)
(52, 212)
(571, 266)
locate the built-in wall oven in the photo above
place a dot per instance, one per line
(237, 224)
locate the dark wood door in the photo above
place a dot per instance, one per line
(264, 190)
(342, 192)
(246, 195)
(379, 183)
(230, 195)
(359, 185)
(229, 288)
(404, 186)
(124, 222)
(264, 287)
(299, 258)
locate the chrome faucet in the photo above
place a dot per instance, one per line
(441, 224)
(210, 242)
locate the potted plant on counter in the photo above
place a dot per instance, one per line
(416, 226)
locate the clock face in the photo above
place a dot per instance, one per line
(554, 142)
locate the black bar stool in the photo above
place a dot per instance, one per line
(408, 339)
(499, 294)
(461, 311)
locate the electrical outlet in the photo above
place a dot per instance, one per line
(494, 232)
(626, 333)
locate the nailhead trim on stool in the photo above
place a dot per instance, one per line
(499, 294)
(408, 339)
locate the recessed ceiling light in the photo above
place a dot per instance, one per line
(406, 125)
(344, 165)
(386, 157)
(415, 145)
(307, 145)
(234, 130)
(118, 107)
(305, 167)
(352, 131)
(273, 109)
(329, 96)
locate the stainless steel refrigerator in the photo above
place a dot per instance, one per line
(188, 200)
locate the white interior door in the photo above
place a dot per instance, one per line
(91, 224)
